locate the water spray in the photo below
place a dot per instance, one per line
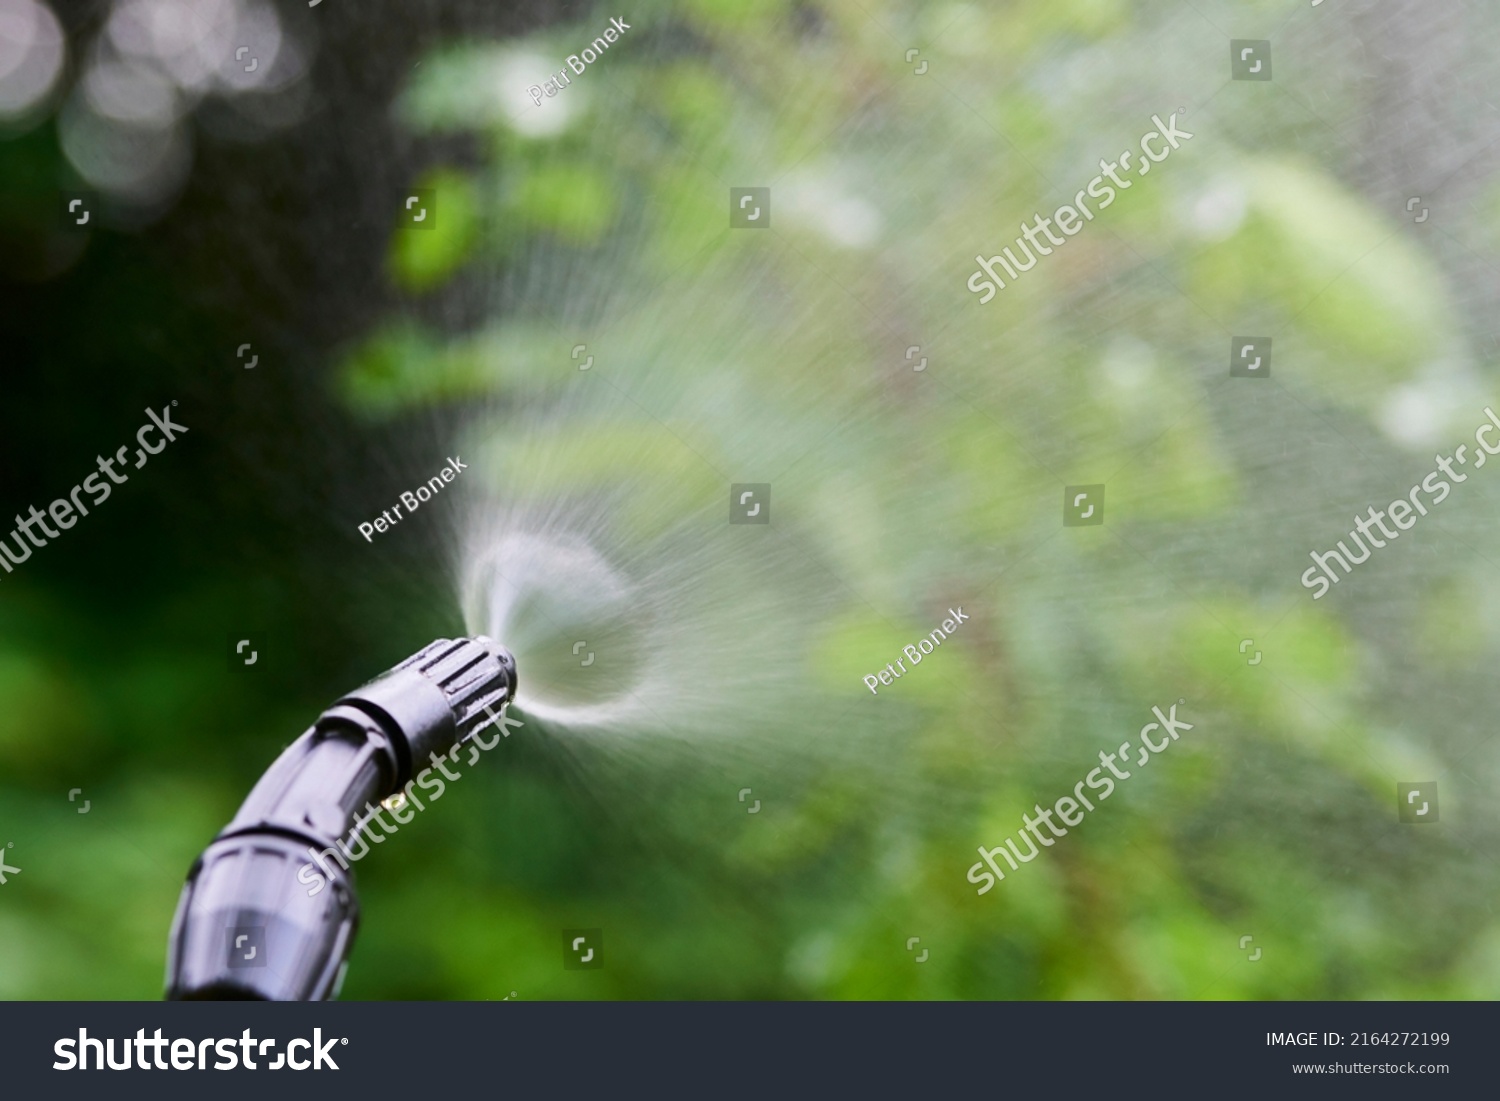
(245, 927)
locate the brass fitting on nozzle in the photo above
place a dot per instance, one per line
(244, 928)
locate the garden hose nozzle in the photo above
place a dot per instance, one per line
(247, 927)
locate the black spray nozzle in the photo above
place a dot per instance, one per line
(254, 920)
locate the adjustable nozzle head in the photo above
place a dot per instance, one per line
(442, 695)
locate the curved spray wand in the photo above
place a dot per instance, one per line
(246, 926)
